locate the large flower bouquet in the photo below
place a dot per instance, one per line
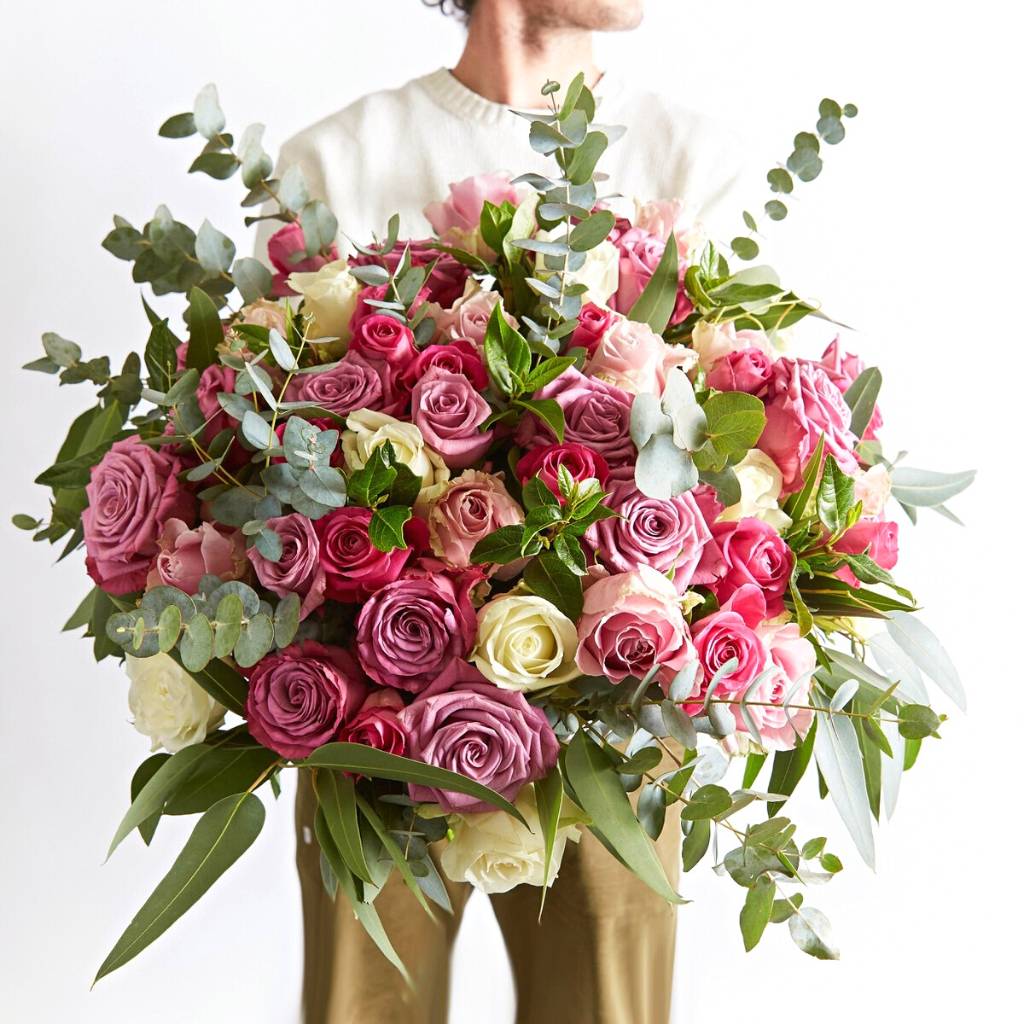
(487, 532)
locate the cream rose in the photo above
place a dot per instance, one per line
(600, 270)
(760, 486)
(712, 341)
(169, 707)
(368, 430)
(873, 487)
(329, 298)
(524, 642)
(494, 852)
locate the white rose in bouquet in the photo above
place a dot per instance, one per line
(169, 706)
(330, 295)
(760, 486)
(873, 487)
(494, 852)
(600, 270)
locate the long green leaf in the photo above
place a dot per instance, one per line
(657, 301)
(788, 767)
(223, 771)
(205, 332)
(597, 787)
(549, 792)
(798, 502)
(221, 836)
(142, 775)
(861, 397)
(378, 764)
(221, 682)
(839, 760)
(336, 794)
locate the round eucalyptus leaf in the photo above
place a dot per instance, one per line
(286, 619)
(249, 598)
(196, 645)
(169, 627)
(776, 210)
(255, 641)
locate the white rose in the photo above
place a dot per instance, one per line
(329, 297)
(600, 270)
(169, 706)
(760, 486)
(873, 487)
(368, 430)
(524, 642)
(494, 852)
(712, 341)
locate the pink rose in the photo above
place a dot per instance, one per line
(631, 356)
(132, 492)
(581, 463)
(801, 406)
(264, 313)
(186, 556)
(214, 379)
(753, 553)
(378, 724)
(876, 538)
(793, 660)
(411, 630)
(455, 357)
(351, 384)
(746, 369)
(596, 415)
(286, 249)
(300, 698)
(727, 634)
(667, 535)
(459, 215)
(843, 369)
(664, 217)
(467, 725)
(631, 622)
(447, 278)
(471, 507)
(640, 253)
(379, 292)
(449, 410)
(467, 319)
(381, 339)
(298, 570)
(594, 321)
(353, 567)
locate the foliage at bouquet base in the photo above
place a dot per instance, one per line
(526, 528)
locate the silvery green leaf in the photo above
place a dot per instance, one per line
(256, 431)
(371, 274)
(280, 479)
(838, 755)
(325, 485)
(663, 471)
(207, 115)
(292, 191)
(651, 720)
(236, 406)
(689, 424)
(249, 598)
(679, 725)
(268, 544)
(256, 378)
(846, 692)
(853, 668)
(319, 226)
(924, 488)
(256, 163)
(646, 419)
(60, 350)
(723, 672)
(710, 767)
(214, 250)
(281, 350)
(923, 646)
(895, 663)
(682, 682)
(892, 767)
(861, 397)
(252, 279)
(812, 932)
(255, 641)
(196, 644)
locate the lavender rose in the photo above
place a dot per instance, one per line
(302, 697)
(467, 725)
(132, 492)
(349, 385)
(411, 630)
(448, 409)
(298, 570)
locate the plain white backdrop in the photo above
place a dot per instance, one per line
(913, 234)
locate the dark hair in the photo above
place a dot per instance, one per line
(464, 8)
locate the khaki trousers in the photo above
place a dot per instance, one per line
(602, 953)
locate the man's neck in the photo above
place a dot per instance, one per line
(508, 57)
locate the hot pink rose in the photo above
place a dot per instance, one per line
(581, 463)
(382, 339)
(300, 698)
(596, 415)
(455, 357)
(214, 379)
(449, 410)
(446, 280)
(843, 368)
(727, 634)
(753, 553)
(467, 725)
(378, 724)
(594, 321)
(187, 555)
(467, 319)
(411, 630)
(286, 249)
(132, 492)
(471, 507)
(877, 538)
(379, 292)
(667, 535)
(298, 570)
(640, 252)
(793, 660)
(459, 214)
(631, 622)
(801, 406)
(746, 369)
(354, 568)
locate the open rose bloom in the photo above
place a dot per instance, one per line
(483, 533)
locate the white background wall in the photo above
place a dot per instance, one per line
(913, 233)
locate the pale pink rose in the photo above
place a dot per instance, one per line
(662, 217)
(640, 252)
(467, 319)
(632, 357)
(746, 369)
(471, 507)
(187, 555)
(873, 488)
(631, 622)
(457, 218)
(712, 342)
(793, 660)
(263, 313)
(802, 405)
(448, 409)
(843, 368)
